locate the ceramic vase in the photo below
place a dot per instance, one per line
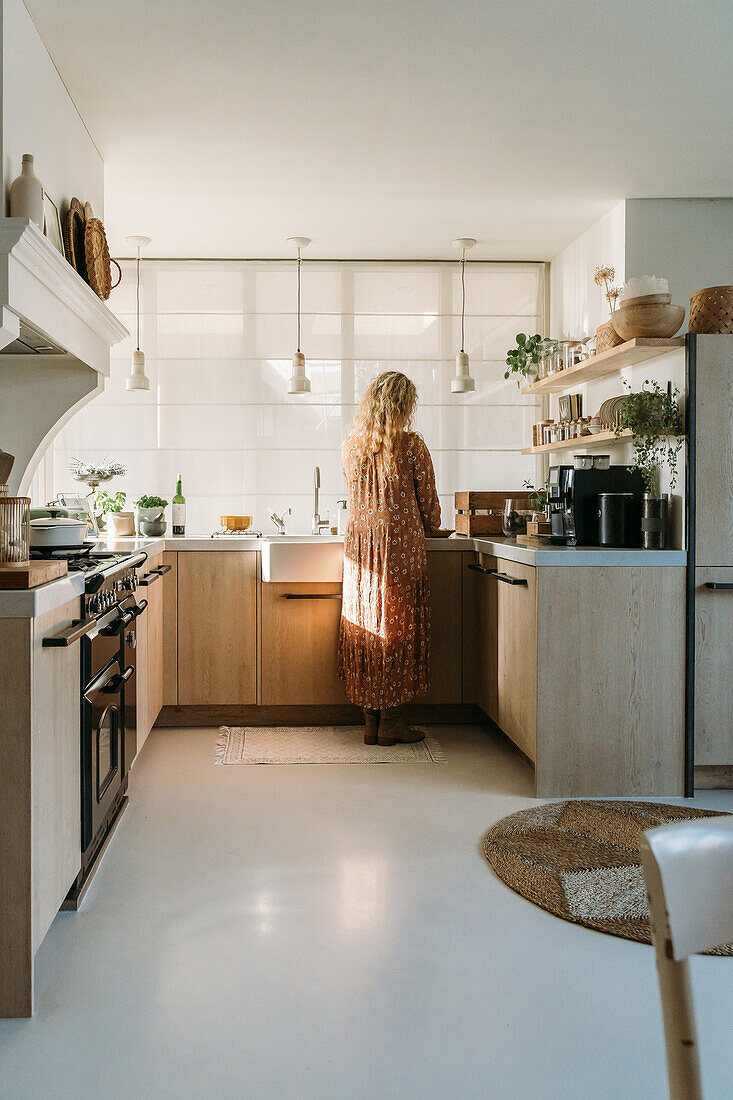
(26, 194)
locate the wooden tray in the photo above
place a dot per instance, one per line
(29, 574)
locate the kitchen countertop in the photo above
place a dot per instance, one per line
(31, 603)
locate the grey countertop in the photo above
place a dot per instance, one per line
(34, 602)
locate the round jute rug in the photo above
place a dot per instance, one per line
(580, 860)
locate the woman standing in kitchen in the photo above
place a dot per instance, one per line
(384, 635)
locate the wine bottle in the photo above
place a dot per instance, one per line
(179, 510)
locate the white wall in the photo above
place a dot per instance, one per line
(688, 241)
(577, 305)
(39, 117)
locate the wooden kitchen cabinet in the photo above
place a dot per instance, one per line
(444, 567)
(170, 629)
(217, 627)
(506, 637)
(300, 625)
(149, 660)
(713, 669)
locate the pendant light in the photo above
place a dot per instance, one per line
(463, 382)
(299, 382)
(138, 379)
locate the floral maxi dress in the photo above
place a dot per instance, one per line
(384, 634)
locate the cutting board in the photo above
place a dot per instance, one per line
(29, 574)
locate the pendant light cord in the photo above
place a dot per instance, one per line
(463, 297)
(298, 348)
(137, 297)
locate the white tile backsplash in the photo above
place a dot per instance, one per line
(219, 339)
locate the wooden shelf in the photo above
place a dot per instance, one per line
(603, 438)
(608, 362)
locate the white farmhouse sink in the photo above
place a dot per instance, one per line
(294, 558)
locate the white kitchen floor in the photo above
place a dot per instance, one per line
(334, 932)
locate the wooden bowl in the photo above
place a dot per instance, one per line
(236, 524)
(646, 300)
(657, 321)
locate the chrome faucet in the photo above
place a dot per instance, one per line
(318, 524)
(280, 521)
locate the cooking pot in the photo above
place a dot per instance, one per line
(58, 533)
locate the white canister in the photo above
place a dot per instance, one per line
(342, 516)
(26, 194)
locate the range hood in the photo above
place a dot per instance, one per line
(55, 340)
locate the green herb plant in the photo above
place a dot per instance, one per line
(537, 497)
(151, 502)
(654, 417)
(109, 502)
(524, 356)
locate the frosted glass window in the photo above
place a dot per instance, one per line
(219, 338)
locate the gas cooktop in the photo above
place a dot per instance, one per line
(86, 559)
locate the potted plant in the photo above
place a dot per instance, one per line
(149, 516)
(654, 417)
(522, 359)
(110, 506)
(537, 497)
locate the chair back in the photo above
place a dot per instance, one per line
(692, 861)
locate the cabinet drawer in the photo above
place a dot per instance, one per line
(300, 626)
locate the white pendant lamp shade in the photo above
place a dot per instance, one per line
(462, 382)
(299, 381)
(138, 379)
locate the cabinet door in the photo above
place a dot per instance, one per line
(300, 625)
(713, 668)
(170, 630)
(714, 437)
(487, 640)
(155, 648)
(217, 627)
(516, 618)
(444, 567)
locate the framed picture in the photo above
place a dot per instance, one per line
(563, 405)
(52, 223)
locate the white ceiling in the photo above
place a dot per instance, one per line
(385, 128)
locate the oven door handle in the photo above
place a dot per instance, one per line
(138, 609)
(102, 681)
(112, 686)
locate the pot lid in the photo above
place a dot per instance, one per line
(60, 522)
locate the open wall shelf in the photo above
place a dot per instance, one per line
(608, 362)
(580, 442)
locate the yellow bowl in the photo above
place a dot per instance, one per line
(235, 523)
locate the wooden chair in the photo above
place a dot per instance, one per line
(688, 868)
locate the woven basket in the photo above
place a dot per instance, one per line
(711, 310)
(98, 259)
(606, 337)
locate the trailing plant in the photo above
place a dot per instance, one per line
(109, 502)
(524, 356)
(151, 502)
(603, 276)
(537, 497)
(654, 417)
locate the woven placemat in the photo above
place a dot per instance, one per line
(580, 860)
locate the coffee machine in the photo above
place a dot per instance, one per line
(573, 497)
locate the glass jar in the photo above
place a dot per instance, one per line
(548, 357)
(570, 353)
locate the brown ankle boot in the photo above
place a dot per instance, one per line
(394, 730)
(371, 725)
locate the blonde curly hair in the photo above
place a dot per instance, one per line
(385, 412)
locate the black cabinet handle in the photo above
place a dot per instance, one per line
(312, 596)
(70, 634)
(719, 586)
(148, 579)
(507, 579)
(161, 570)
(499, 576)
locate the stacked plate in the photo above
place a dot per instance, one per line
(610, 413)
